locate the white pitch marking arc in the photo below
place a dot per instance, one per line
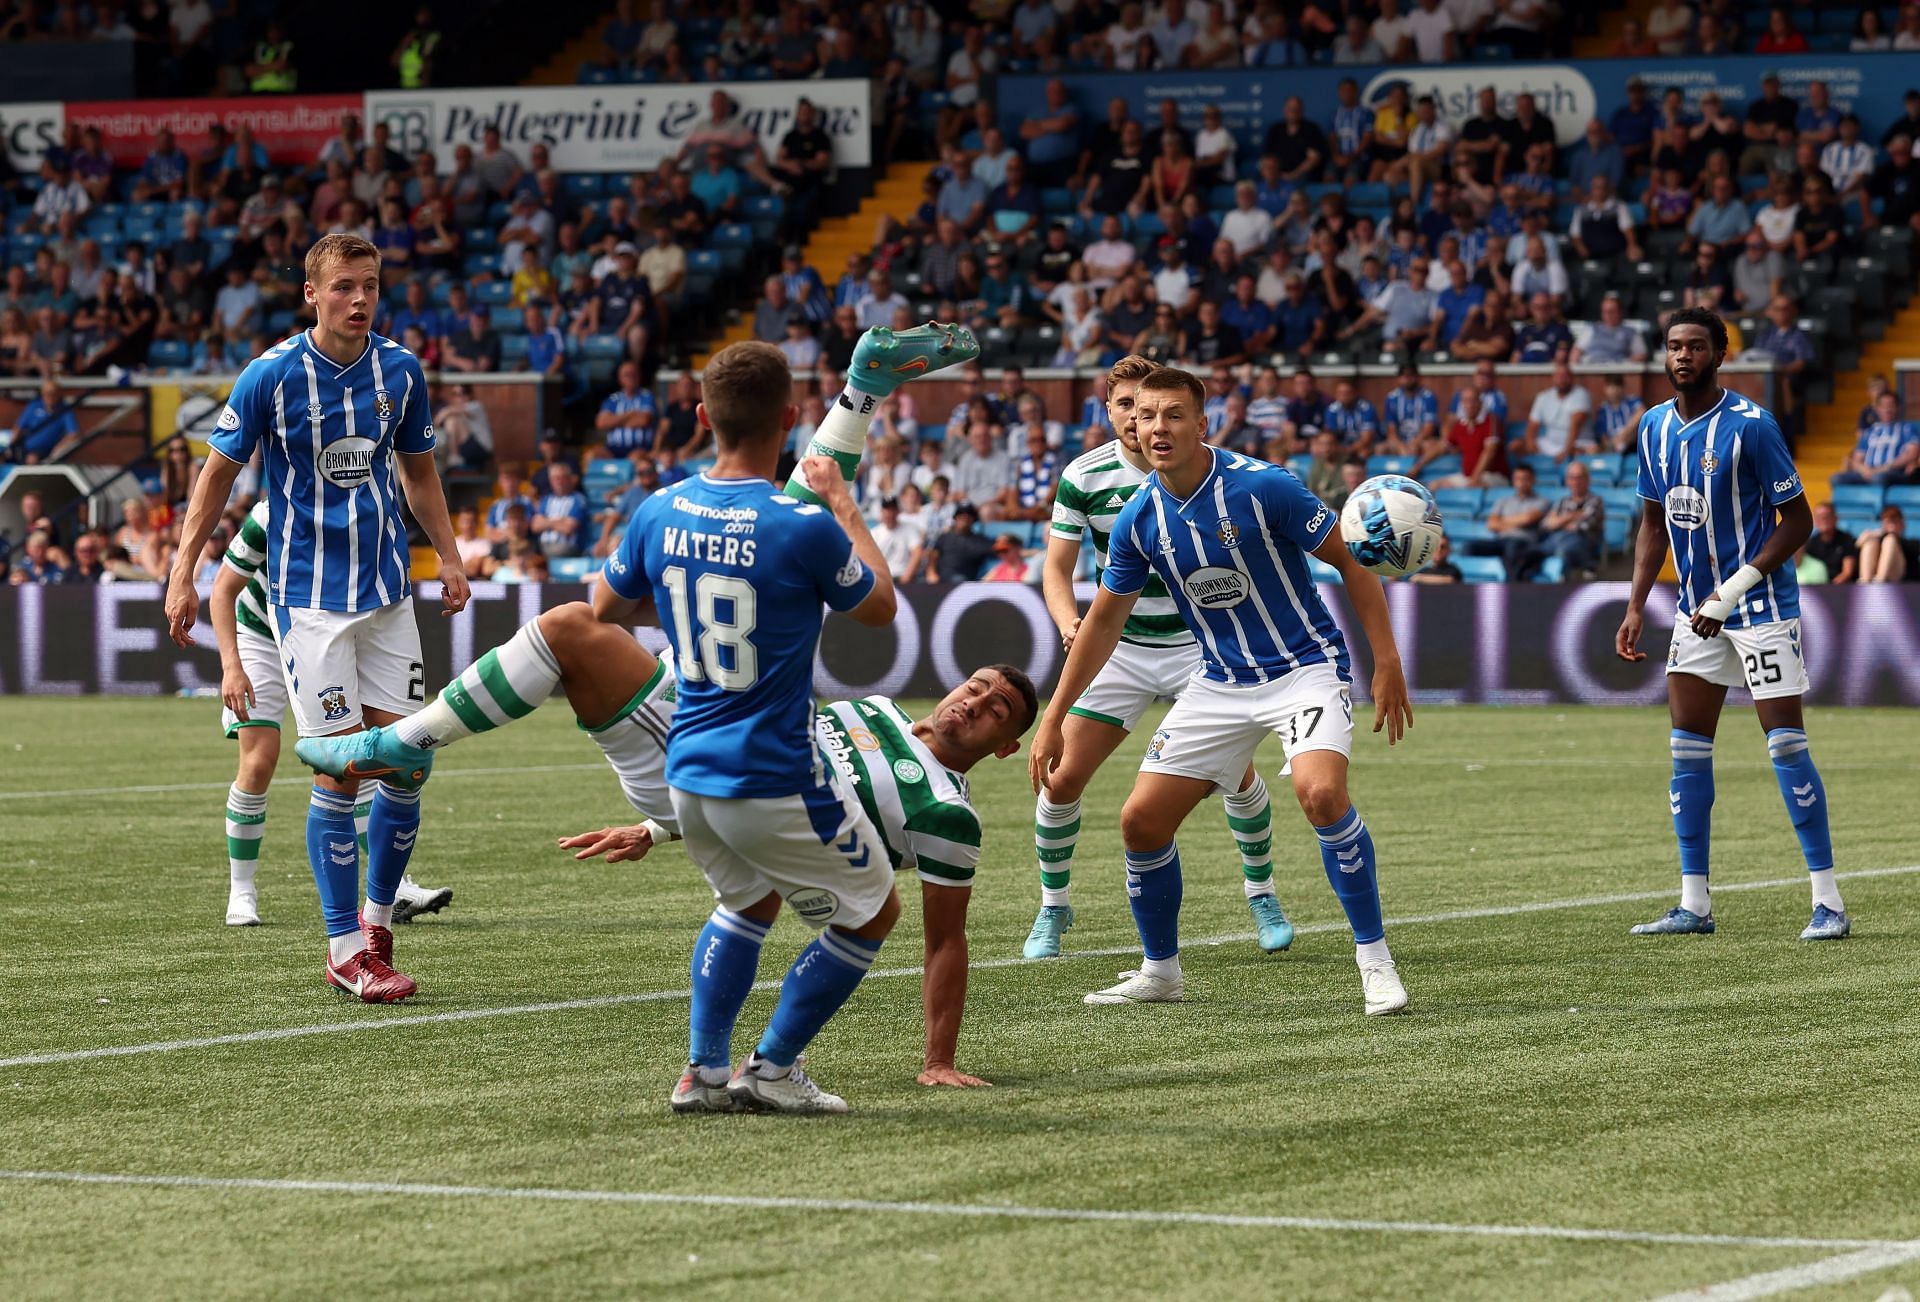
(986, 1211)
(989, 964)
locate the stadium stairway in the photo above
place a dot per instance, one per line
(563, 69)
(1831, 426)
(896, 193)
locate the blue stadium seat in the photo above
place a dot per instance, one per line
(584, 185)
(1441, 467)
(1615, 530)
(703, 262)
(1605, 467)
(1056, 201)
(1623, 502)
(573, 569)
(1858, 497)
(1481, 569)
(1300, 466)
(1372, 194)
(767, 206)
(1468, 530)
(168, 354)
(604, 473)
(1388, 465)
(1906, 497)
(1552, 570)
(494, 293)
(1857, 523)
(731, 235)
(513, 352)
(605, 346)
(1459, 503)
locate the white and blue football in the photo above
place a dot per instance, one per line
(1392, 525)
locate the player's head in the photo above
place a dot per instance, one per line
(986, 715)
(746, 395)
(1122, 380)
(1696, 344)
(1169, 415)
(343, 283)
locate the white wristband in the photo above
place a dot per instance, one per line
(1737, 585)
(659, 834)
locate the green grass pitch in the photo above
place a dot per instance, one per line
(1553, 1072)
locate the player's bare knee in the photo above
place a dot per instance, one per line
(1322, 800)
(1144, 826)
(565, 627)
(1064, 785)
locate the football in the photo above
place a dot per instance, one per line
(1392, 525)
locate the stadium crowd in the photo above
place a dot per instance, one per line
(1355, 234)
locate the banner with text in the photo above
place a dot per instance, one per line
(291, 127)
(615, 128)
(1569, 93)
(28, 130)
(1518, 644)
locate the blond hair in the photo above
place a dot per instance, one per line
(1129, 368)
(339, 247)
(746, 388)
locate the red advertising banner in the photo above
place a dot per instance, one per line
(292, 127)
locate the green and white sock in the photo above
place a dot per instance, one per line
(1250, 815)
(842, 435)
(507, 683)
(1056, 831)
(246, 824)
(362, 811)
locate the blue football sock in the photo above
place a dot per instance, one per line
(1153, 890)
(392, 825)
(726, 959)
(819, 981)
(1691, 799)
(1346, 852)
(1805, 794)
(335, 857)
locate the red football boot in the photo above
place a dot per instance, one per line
(379, 941)
(369, 978)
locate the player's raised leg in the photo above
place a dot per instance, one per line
(883, 360)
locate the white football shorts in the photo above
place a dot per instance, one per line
(1765, 659)
(1133, 678)
(635, 744)
(261, 659)
(339, 663)
(818, 850)
(1213, 730)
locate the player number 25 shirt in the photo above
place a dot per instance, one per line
(1234, 558)
(738, 572)
(327, 435)
(1719, 477)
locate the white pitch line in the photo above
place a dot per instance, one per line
(1832, 1270)
(987, 1211)
(980, 965)
(302, 780)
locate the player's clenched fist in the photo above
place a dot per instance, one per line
(824, 478)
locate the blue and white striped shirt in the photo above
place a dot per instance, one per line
(1881, 443)
(1609, 418)
(1234, 558)
(622, 439)
(1350, 423)
(1409, 413)
(328, 434)
(1719, 477)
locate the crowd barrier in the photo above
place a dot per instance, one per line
(1520, 644)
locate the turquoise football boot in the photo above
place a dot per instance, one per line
(1275, 932)
(374, 753)
(885, 359)
(1044, 940)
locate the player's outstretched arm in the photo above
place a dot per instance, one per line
(1392, 708)
(618, 844)
(1056, 585)
(1649, 554)
(1093, 645)
(943, 991)
(420, 480)
(210, 493)
(236, 689)
(877, 608)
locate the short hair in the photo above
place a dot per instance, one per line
(1130, 368)
(1029, 698)
(1716, 328)
(338, 247)
(746, 388)
(1171, 379)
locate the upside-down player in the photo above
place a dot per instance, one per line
(1156, 656)
(1721, 489)
(909, 775)
(1229, 538)
(253, 688)
(330, 408)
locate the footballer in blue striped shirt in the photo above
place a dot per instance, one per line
(328, 410)
(1720, 490)
(1229, 537)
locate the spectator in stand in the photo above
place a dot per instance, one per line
(1720, 217)
(1393, 125)
(1433, 33)
(478, 349)
(1412, 415)
(1037, 473)
(1870, 413)
(1248, 226)
(1476, 434)
(508, 492)
(561, 519)
(1887, 452)
(1013, 208)
(957, 555)
(1632, 125)
(1783, 342)
(1634, 43)
(968, 68)
(1596, 156)
(800, 348)
(1404, 313)
(1887, 555)
(1896, 186)
(1355, 44)
(900, 542)
(59, 195)
(628, 417)
(1781, 36)
(1392, 32)
(770, 317)
(1323, 467)
(1524, 26)
(1544, 337)
(983, 473)
(1488, 335)
(1668, 26)
(1572, 529)
(1848, 161)
(1833, 546)
(1765, 117)
(1514, 522)
(1616, 421)
(881, 301)
(1602, 227)
(1556, 424)
(1757, 274)
(45, 427)
(465, 429)
(1455, 304)
(163, 176)
(1610, 340)
(1297, 143)
(1537, 273)
(1352, 419)
(36, 564)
